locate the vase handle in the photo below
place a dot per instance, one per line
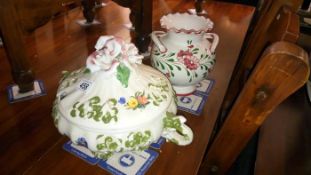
(215, 41)
(155, 38)
(176, 131)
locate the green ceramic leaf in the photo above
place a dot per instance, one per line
(81, 110)
(65, 74)
(113, 146)
(188, 73)
(100, 146)
(87, 71)
(99, 136)
(113, 101)
(162, 66)
(123, 74)
(73, 113)
(157, 64)
(170, 66)
(172, 74)
(171, 54)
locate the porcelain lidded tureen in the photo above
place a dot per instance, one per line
(185, 52)
(116, 103)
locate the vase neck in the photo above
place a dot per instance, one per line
(183, 36)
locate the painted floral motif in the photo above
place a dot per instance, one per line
(108, 143)
(107, 111)
(173, 124)
(134, 141)
(94, 109)
(70, 78)
(171, 121)
(132, 103)
(55, 113)
(138, 101)
(187, 59)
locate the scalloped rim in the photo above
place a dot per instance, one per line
(169, 27)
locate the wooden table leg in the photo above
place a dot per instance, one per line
(88, 10)
(198, 6)
(15, 47)
(141, 18)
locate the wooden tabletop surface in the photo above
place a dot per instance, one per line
(30, 143)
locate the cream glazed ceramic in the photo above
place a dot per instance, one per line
(116, 103)
(186, 52)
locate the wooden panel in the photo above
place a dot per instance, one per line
(33, 145)
(281, 70)
(276, 22)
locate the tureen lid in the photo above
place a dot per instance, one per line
(114, 90)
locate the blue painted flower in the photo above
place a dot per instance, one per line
(122, 100)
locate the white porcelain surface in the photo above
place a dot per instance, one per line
(116, 103)
(186, 52)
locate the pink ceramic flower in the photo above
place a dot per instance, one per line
(192, 63)
(142, 100)
(111, 50)
(188, 59)
(182, 53)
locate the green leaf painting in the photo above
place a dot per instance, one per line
(123, 74)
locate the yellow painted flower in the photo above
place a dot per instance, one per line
(132, 103)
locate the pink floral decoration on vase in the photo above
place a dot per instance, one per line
(188, 59)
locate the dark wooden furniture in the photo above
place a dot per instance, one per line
(282, 69)
(272, 16)
(284, 145)
(20, 17)
(32, 145)
(141, 18)
(246, 116)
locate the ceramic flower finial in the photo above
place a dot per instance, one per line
(111, 51)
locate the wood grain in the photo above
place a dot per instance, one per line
(277, 21)
(32, 145)
(283, 68)
(20, 17)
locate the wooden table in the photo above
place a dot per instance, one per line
(28, 148)
(28, 16)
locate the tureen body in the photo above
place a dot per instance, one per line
(186, 52)
(116, 103)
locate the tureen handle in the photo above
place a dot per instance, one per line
(215, 41)
(177, 131)
(155, 38)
